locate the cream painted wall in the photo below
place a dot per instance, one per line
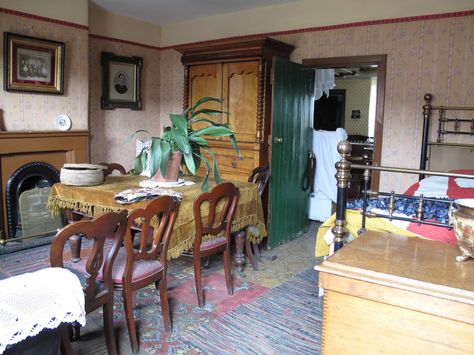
(75, 11)
(302, 14)
(111, 25)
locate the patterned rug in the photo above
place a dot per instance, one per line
(285, 320)
(186, 315)
(255, 320)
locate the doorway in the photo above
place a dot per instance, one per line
(329, 110)
(380, 63)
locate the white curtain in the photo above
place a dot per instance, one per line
(323, 82)
(325, 185)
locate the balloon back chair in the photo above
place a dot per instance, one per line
(94, 267)
(146, 263)
(220, 204)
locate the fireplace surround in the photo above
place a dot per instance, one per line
(19, 149)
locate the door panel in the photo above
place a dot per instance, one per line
(240, 89)
(205, 80)
(292, 115)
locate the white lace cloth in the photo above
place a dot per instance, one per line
(34, 301)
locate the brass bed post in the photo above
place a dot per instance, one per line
(426, 131)
(343, 176)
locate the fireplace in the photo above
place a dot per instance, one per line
(29, 164)
(26, 196)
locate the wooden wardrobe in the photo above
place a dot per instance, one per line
(239, 73)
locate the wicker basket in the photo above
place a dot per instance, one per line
(82, 174)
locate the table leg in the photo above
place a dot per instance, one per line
(239, 257)
(76, 240)
(75, 244)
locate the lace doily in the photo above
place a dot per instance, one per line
(34, 301)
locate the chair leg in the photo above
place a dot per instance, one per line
(256, 252)
(65, 341)
(228, 279)
(165, 309)
(248, 250)
(76, 331)
(198, 279)
(128, 309)
(109, 326)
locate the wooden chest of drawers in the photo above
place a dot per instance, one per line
(399, 295)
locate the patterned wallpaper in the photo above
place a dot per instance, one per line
(110, 128)
(435, 56)
(37, 112)
(357, 98)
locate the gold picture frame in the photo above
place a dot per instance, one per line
(33, 64)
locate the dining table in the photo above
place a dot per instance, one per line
(92, 201)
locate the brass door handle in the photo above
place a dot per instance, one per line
(278, 140)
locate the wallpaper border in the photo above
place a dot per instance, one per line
(326, 28)
(42, 18)
(247, 37)
(124, 41)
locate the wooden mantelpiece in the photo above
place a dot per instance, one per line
(392, 294)
(54, 148)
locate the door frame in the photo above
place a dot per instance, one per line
(354, 61)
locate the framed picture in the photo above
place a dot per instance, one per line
(120, 82)
(33, 64)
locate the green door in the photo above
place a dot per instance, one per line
(292, 122)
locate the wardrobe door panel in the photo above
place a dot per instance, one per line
(240, 89)
(206, 80)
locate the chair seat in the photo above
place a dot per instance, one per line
(78, 269)
(210, 244)
(141, 268)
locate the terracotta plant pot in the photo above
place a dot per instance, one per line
(172, 171)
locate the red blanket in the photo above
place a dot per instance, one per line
(450, 190)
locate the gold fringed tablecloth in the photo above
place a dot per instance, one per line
(96, 200)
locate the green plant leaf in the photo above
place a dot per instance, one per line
(205, 181)
(213, 131)
(155, 156)
(180, 122)
(202, 101)
(208, 111)
(189, 161)
(215, 171)
(140, 162)
(198, 140)
(233, 140)
(202, 119)
(130, 137)
(181, 140)
(196, 155)
(165, 148)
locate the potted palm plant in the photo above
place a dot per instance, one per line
(181, 145)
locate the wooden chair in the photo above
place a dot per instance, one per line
(217, 224)
(96, 293)
(111, 167)
(135, 268)
(260, 176)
